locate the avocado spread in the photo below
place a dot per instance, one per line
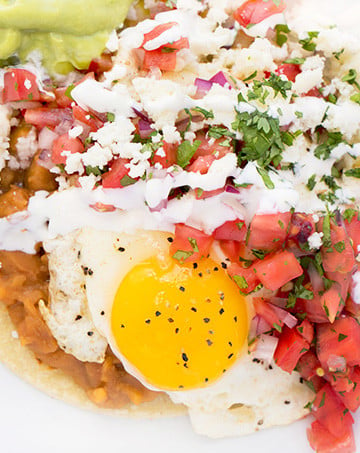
(68, 33)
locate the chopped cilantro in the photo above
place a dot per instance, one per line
(240, 281)
(94, 170)
(333, 139)
(342, 337)
(282, 30)
(182, 255)
(349, 214)
(110, 117)
(185, 152)
(353, 172)
(266, 178)
(69, 90)
(250, 77)
(279, 85)
(311, 182)
(337, 55)
(307, 43)
(350, 78)
(339, 246)
(262, 138)
(193, 244)
(208, 114)
(127, 181)
(295, 61)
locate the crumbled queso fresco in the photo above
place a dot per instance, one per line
(292, 98)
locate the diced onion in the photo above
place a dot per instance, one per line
(265, 347)
(287, 318)
(46, 138)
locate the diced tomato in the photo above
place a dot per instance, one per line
(308, 365)
(157, 31)
(255, 11)
(163, 57)
(306, 330)
(87, 118)
(277, 269)
(353, 230)
(343, 281)
(159, 59)
(20, 85)
(231, 249)
(352, 307)
(289, 70)
(313, 308)
(117, 176)
(341, 383)
(268, 231)
(329, 410)
(43, 116)
(61, 97)
(332, 302)
(342, 339)
(351, 399)
(65, 143)
(233, 230)
(245, 278)
(207, 147)
(322, 441)
(101, 64)
(339, 257)
(169, 157)
(314, 92)
(267, 311)
(290, 348)
(190, 244)
(201, 164)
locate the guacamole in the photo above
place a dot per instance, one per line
(68, 33)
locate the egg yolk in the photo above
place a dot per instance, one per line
(181, 327)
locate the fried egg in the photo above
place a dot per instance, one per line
(178, 328)
(174, 326)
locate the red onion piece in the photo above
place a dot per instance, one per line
(203, 86)
(258, 326)
(145, 128)
(280, 302)
(219, 78)
(265, 347)
(64, 126)
(46, 138)
(287, 318)
(141, 115)
(316, 280)
(231, 189)
(45, 159)
(160, 206)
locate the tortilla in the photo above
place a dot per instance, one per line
(58, 385)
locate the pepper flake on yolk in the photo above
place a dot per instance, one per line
(180, 326)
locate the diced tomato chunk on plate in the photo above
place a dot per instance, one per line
(255, 11)
(232, 230)
(322, 441)
(245, 278)
(20, 85)
(277, 269)
(268, 231)
(65, 143)
(290, 348)
(342, 339)
(190, 244)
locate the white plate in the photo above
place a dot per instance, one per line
(31, 422)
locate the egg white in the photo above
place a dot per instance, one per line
(249, 396)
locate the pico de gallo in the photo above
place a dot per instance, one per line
(296, 259)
